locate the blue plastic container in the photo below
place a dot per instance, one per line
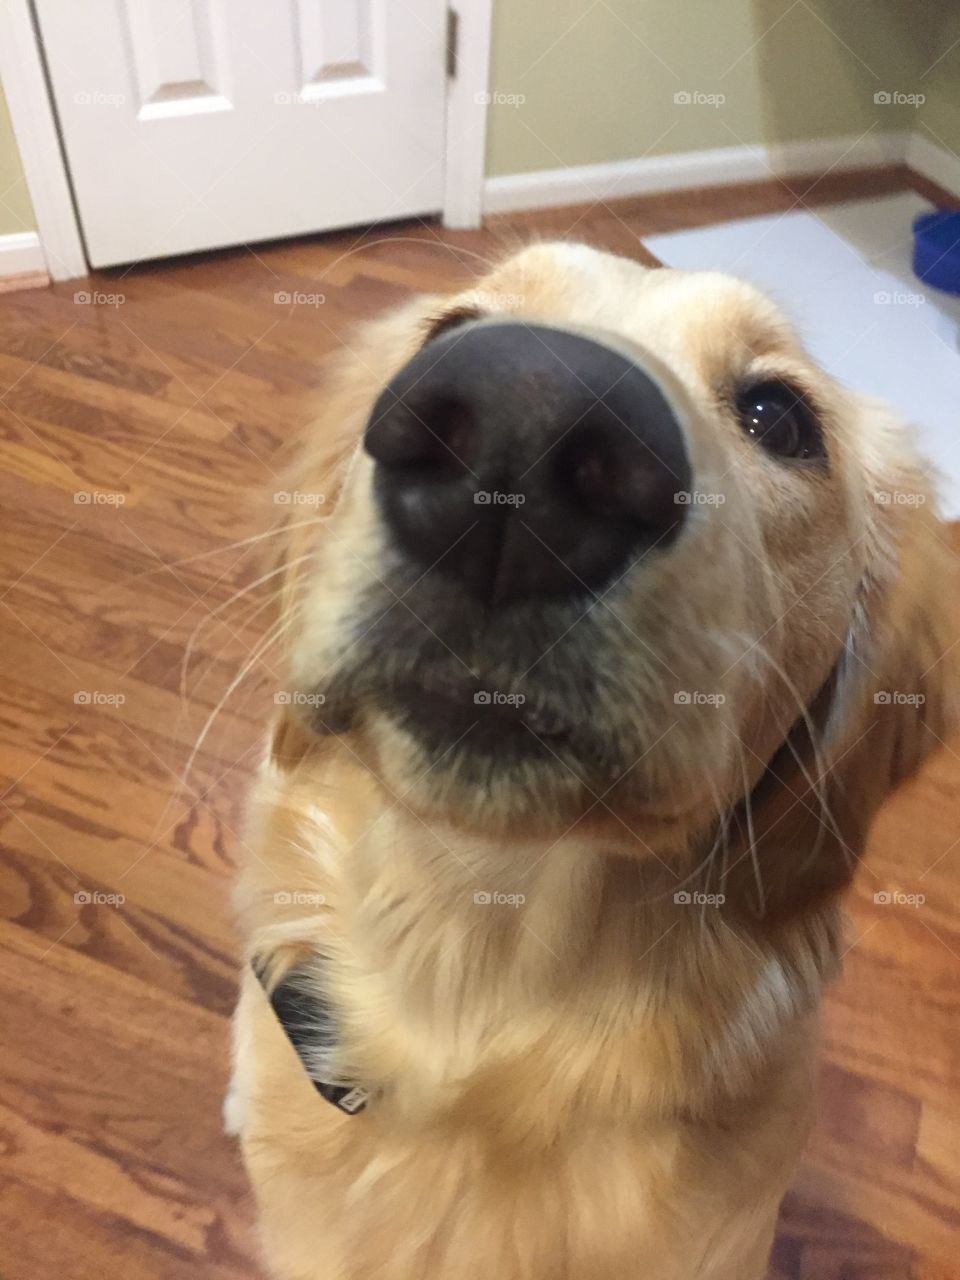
(936, 249)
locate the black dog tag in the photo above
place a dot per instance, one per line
(310, 1027)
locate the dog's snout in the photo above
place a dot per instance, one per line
(526, 461)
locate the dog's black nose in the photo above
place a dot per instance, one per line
(526, 461)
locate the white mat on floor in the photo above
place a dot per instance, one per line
(843, 274)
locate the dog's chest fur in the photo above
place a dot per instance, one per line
(578, 1084)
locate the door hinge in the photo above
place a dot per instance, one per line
(453, 37)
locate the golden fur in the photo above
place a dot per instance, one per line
(602, 1082)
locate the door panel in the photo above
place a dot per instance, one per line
(175, 56)
(333, 44)
(191, 124)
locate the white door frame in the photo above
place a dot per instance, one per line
(468, 97)
(38, 139)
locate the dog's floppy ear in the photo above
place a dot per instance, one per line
(891, 699)
(898, 694)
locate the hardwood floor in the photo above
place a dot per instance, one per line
(143, 432)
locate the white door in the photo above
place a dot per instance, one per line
(191, 124)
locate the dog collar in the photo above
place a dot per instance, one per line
(309, 1025)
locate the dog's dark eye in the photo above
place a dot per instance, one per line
(780, 420)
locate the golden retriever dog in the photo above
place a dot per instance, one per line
(621, 620)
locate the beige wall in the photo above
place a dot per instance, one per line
(598, 83)
(16, 212)
(939, 117)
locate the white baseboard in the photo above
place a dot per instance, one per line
(21, 253)
(934, 162)
(548, 188)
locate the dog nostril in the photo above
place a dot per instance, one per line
(454, 426)
(432, 436)
(588, 469)
(610, 473)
